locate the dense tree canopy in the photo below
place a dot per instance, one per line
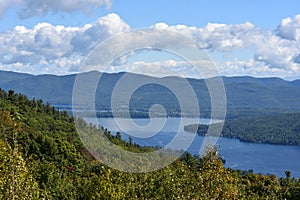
(42, 157)
(277, 129)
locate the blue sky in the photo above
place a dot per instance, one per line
(250, 37)
(141, 14)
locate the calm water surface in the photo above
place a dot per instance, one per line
(262, 158)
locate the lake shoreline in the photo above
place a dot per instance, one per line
(261, 157)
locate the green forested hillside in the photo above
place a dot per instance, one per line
(7, 76)
(246, 96)
(42, 157)
(278, 129)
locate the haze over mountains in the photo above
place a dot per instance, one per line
(244, 94)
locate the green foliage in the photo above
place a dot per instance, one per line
(278, 129)
(42, 157)
(16, 180)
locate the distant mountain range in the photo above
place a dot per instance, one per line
(245, 95)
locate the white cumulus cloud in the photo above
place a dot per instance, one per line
(46, 48)
(275, 51)
(29, 8)
(290, 28)
(56, 48)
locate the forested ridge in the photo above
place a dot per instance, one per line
(246, 96)
(42, 157)
(276, 129)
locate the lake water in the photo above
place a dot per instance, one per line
(262, 158)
